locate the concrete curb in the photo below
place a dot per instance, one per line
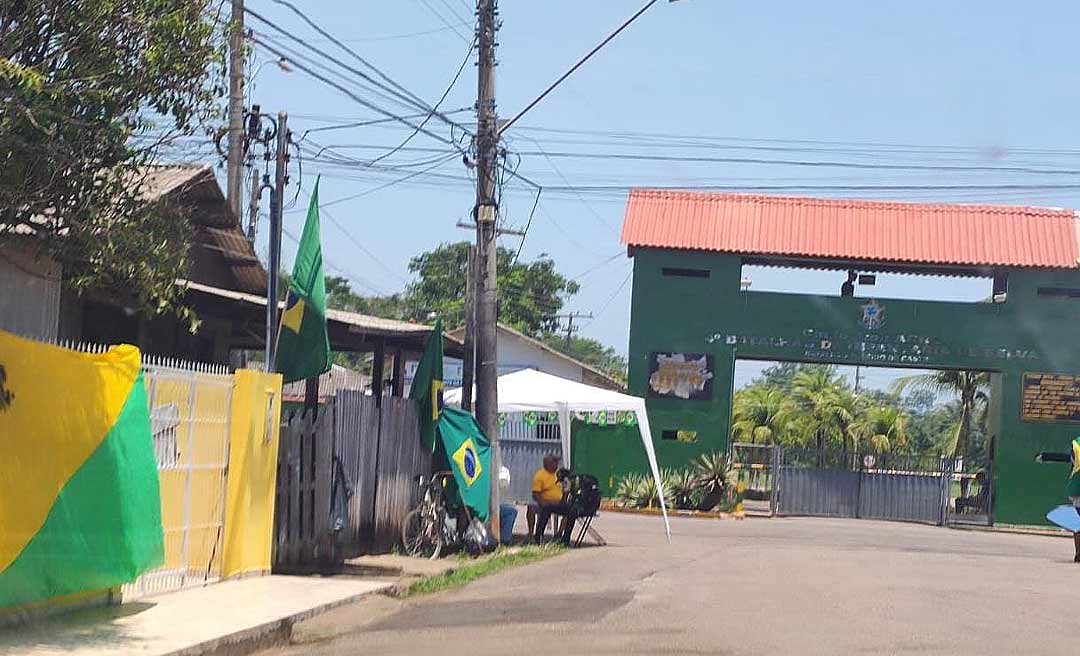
(270, 634)
(1014, 530)
(655, 512)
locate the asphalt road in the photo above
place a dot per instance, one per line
(759, 586)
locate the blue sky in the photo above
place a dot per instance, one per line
(999, 80)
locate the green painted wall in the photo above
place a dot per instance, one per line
(607, 452)
(712, 315)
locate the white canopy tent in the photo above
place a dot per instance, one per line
(530, 390)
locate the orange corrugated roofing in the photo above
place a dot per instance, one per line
(853, 230)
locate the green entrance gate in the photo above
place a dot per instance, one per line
(691, 320)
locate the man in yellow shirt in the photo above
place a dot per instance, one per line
(547, 493)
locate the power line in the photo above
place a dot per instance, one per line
(612, 297)
(444, 20)
(823, 142)
(811, 163)
(355, 241)
(358, 99)
(528, 225)
(434, 108)
(394, 89)
(352, 52)
(376, 121)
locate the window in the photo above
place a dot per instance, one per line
(676, 272)
(1061, 292)
(680, 436)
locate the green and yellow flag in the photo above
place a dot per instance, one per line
(303, 346)
(427, 385)
(469, 454)
(80, 507)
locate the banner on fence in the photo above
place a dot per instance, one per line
(79, 499)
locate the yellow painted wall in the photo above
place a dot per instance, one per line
(253, 445)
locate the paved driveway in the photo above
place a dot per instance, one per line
(759, 586)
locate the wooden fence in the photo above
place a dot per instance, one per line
(381, 458)
(373, 453)
(302, 535)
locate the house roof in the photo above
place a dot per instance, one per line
(338, 378)
(598, 378)
(410, 335)
(219, 237)
(853, 230)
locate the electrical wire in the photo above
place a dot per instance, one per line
(360, 59)
(811, 163)
(596, 315)
(435, 107)
(407, 98)
(525, 233)
(358, 99)
(444, 20)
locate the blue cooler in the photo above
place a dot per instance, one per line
(507, 516)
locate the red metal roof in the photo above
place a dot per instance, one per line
(853, 230)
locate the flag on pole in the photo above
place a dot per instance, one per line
(427, 385)
(303, 346)
(469, 453)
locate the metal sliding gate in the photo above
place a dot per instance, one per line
(927, 489)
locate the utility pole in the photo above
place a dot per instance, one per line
(254, 120)
(277, 201)
(468, 363)
(485, 287)
(570, 330)
(234, 180)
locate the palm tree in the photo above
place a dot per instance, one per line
(972, 388)
(826, 406)
(882, 427)
(760, 415)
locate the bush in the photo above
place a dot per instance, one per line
(681, 489)
(714, 478)
(627, 490)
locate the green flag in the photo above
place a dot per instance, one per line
(427, 385)
(303, 345)
(469, 454)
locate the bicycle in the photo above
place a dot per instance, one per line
(432, 525)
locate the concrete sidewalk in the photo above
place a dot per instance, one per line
(225, 618)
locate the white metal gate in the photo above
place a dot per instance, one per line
(190, 409)
(524, 439)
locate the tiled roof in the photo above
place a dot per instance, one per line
(853, 230)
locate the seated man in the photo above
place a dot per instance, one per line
(547, 492)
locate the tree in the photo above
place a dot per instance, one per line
(590, 351)
(972, 388)
(79, 81)
(826, 406)
(340, 296)
(881, 427)
(530, 295)
(761, 415)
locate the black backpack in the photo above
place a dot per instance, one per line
(585, 495)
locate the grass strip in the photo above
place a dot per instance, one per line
(503, 558)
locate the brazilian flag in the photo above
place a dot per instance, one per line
(428, 385)
(80, 506)
(469, 454)
(303, 346)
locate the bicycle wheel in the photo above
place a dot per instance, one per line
(420, 534)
